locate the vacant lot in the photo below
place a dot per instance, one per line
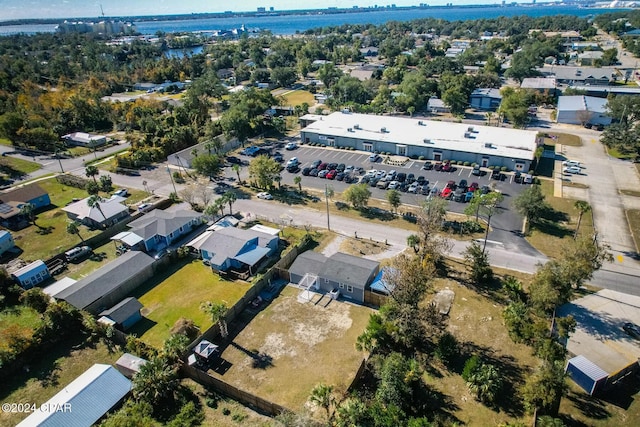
(16, 168)
(53, 371)
(17, 323)
(178, 292)
(304, 345)
(297, 97)
(558, 225)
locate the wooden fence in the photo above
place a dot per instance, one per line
(374, 299)
(251, 400)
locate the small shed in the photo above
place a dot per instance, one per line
(125, 314)
(129, 364)
(205, 350)
(31, 274)
(59, 286)
(586, 374)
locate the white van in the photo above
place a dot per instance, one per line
(571, 163)
(77, 253)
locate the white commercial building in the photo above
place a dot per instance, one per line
(580, 110)
(432, 140)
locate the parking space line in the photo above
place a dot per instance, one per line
(511, 180)
(470, 172)
(460, 173)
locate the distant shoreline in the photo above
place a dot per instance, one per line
(256, 14)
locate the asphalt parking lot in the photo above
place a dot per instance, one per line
(505, 227)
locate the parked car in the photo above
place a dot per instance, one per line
(446, 167)
(293, 162)
(322, 166)
(121, 192)
(434, 192)
(349, 169)
(571, 163)
(340, 176)
(473, 186)
(382, 184)
(314, 172)
(341, 167)
(323, 173)
(291, 146)
(421, 180)
(463, 184)
(438, 166)
(427, 166)
(77, 253)
(632, 330)
(393, 185)
(413, 188)
(373, 157)
(278, 157)
(332, 166)
(476, 171)
(572, 169)
(446, 193)
(306, 171)
(331, 174)
(144, 207)
(458, 194)
(485, 189)
(411, 178)
(528, 179)
(264, 196)
(315, 164)
(293, 168)
(401, 177)
(517, 177)
(495, 174)
(451, 184)
(468, 196)
(233, 160)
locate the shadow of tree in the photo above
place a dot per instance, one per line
(376, 213)
(260, 360)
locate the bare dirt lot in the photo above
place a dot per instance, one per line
(289, 347)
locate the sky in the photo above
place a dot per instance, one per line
(20, 9)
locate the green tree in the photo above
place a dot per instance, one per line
(490, 206)
(91, 172)
(73, 228)
(531, 203)
(217, 311)
(544, 389)
(485, 383)
(35, 299)
(393, 197)
(155, 384)
(582, 207)
(28, 212)
(358, 195)
(432, 243)
(106, 184)
(263, 171)
(230, 197)
(478, 264)
(399, 377)
(207, 165)
(329, 74)
(297, 180)
(456, 99)
(236, 169)
(92, 188)
(413, 240)
(94, 202)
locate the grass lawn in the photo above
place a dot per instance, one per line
(178, 292)
(5, 141)
(633, 218)
(15, 168)
(613, 152)
(51, 373)
(548, 237)
(297, 97)
(562, 138)
(103, 255)
(17, 322)
(476, 321)
(305, 344)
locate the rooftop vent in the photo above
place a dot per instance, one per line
(349, 129)
(383, 130)
(356, 126)
(489, 145)
(420, 123)
(427, 141)
(470, 129)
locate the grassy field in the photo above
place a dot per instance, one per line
(103, 255)
(548, 237)
(554, 138)
(178, 292)
(613, 152)
(304, 345)
(297, 97)
(50, 374)
(5, 141)
(17, 322)
(16, 168)
(633, 218)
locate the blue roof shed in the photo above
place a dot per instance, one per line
(586, 374)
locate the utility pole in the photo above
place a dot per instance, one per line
(59, 161)
(326, 198)
(172, 182)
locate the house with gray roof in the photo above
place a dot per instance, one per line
(158, 229)
(125, 314)
(105, 213)
(580, 110)
(84, 401)
(581, 75)
(349, 274)
(234, 248)
(108, 285)
(485, 99)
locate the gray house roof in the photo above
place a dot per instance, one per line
(308, 262)
(227, 242)
(162, 223)
(120, 312)
(582, 103)
(109, 208)
(105, 279)
(339, 267)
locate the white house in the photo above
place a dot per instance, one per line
(85, 139)
(580, 110)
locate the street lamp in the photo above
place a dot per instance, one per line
(328, 192)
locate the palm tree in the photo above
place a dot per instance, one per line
(582, 207)
(72, 228)
(217, 310)
(236, 169)
(485, 383)
(230, 197)
(91, 172)
(208, 146)
(94, 202)
(322, 395)
(413, 240)
(194, 152)
(298, 181)
(156, 383)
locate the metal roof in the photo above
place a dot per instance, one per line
(105, 279)
(588, 368)
(379, 284)
(120, 312)
(88, 397)
(59, 286)
(538, 83)
(161, 223)
(582, 103)
(486, 140)
(35, 265)
(253, 256)
(128, 238)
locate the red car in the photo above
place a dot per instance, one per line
(331, 174)
(322, 166)
(446, 193)
(451, 185)
(474, 186)
(446, 167)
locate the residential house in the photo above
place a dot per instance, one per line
(225, 73)
(437, 105)
(590, 57)
(109, 284)
(362, 73)
(580, 110)
(541, 85)
(31, 274)
(125, 314)
(158, 229)
(581, 75)
(6, 242)
(234, 249)
(485, 99)
(369, 51)
(129, 364)
(84, 401)
(85, 139)
(103, 214)
(349, 274)
(12, 201)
